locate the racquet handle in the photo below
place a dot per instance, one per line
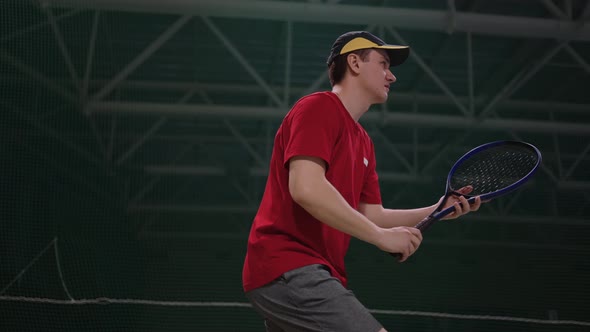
(422, 225)
(425, 223)
(428, 221)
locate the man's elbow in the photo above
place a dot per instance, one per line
(302, 192)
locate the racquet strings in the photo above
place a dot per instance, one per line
(494, 169)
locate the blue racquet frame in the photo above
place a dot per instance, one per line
(436, 215)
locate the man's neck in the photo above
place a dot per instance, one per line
(353, 100)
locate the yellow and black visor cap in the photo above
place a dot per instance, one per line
(358, 40)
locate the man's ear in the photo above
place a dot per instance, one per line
(353, 62)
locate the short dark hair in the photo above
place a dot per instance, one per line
(338, 67)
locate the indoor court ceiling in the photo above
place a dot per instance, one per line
(184, 97)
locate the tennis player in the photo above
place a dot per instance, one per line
(323, 188)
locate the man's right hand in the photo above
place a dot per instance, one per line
(403, 240)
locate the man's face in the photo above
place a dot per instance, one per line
(376, 76)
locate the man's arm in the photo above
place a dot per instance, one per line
(310, 189)
(387, 218)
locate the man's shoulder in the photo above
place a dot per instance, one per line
(317, 97)
(324, 102)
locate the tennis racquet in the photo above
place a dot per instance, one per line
(493, 169)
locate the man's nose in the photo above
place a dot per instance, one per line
(390, 77)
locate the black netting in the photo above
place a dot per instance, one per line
(127, 222)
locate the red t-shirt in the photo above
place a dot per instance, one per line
(283, 235)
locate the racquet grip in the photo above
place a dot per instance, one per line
(428, 221)
(422, 225)
(425, 223)
(396, 255)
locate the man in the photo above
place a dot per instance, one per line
(323, 188)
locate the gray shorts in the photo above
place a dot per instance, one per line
(310, 299)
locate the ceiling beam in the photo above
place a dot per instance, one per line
(65, 52)
(37, 26)
(390, 118)
(553, 9)
(395, 96)
(242, 60)
(521, 78)
(37, 76)
(325, 13)
(142, 57)
(435, 78)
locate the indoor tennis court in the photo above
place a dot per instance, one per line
(136, 137)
